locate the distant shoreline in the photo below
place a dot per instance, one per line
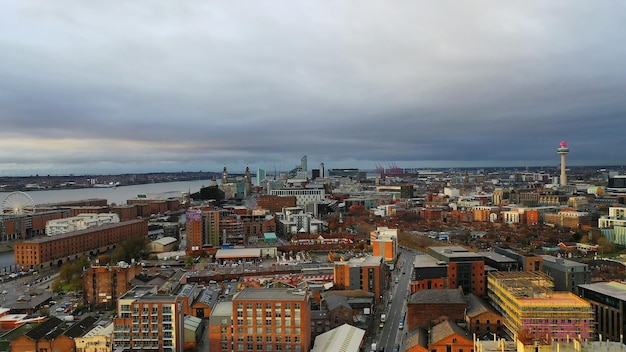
(69, 182)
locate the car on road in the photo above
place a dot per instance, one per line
(4, 292)
(381, 325)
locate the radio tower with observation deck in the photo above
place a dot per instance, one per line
(562, 151)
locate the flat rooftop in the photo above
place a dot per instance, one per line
(497, 257)
(454, 252)
(426, 261)
(236, 253)
(365, 261)
(616, 289)
(273, 294)
(82, 232)
(561, 261)
(557, 299)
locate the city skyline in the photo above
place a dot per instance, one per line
(167, 86)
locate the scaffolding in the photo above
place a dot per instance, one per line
(533, 310)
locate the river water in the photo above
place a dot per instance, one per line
(117, 195)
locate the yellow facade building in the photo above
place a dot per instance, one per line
(533, 311)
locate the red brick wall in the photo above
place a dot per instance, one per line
(484, 323)
(457, 342)
(59, 344)
(423, 314)
(276, 203)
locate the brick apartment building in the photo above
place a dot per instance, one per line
(27, 226)
(256, 223)
(276, 204)
(485, 213)
(209, 227)
(365, 273)
(75, 211)
(55, 250)
(103, 285)
(203, 229)
(157, 206)
(482, 318)
(568, 218)
(465, 269)
(429, 307)
(125, 212)
(272, 319)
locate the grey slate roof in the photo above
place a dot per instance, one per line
(477, 306)
(81, 328)
(445, 329)
(449, 296)
(49, 329)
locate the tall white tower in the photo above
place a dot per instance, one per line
(563, 150)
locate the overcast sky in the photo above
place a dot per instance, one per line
(144, 86)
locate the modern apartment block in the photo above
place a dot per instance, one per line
(525, 261)
(272, 319)
(465, 269)
(304, 196)
(79, 222)
(385, 243)
(148, 321)
(203, 228)
(566, 274)
(296, 220)
(532, 310)
(616, 217)
(43, 252)
(364, 273)
(608, 301)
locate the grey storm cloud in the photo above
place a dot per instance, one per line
(155, 85)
